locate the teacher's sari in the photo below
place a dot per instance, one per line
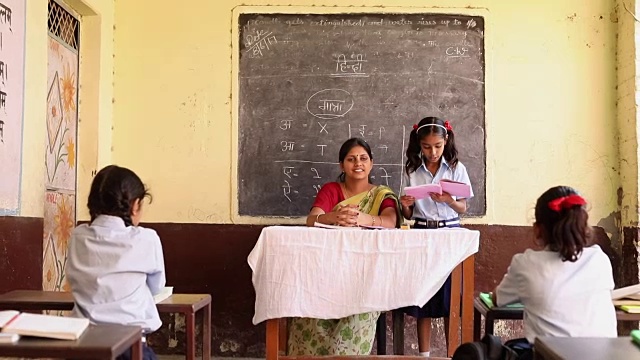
(352, 335)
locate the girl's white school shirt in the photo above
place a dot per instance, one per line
(563, 299)
(427, 208)
(114, 270)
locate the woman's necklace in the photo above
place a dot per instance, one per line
(347, 193)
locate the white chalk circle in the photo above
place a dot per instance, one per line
(330, 103)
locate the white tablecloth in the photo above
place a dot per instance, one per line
(330, 274)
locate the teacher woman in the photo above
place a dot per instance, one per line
(352, 201)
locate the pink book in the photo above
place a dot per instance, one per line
(423, 191)
(456, 188)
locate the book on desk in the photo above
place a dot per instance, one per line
(627, 298)
(163, 294)
(487, 300)
(48, 326)
(635, 336)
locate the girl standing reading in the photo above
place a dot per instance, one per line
(432, 156)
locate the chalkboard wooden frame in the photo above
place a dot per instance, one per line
(255, 167)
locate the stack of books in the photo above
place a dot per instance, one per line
(627, 298)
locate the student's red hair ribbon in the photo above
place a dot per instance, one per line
(447, 125)
(566, 202)
(415, 126)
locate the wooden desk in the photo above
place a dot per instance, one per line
(556, 348)
(278, 247)
(187, 304)
(490, 316)
(97, 342)
(506, 313)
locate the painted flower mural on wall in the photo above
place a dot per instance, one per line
(60, 159)
(64, 223)
(69, 88)
(71, 153)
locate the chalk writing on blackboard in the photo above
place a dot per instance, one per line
(330, 103)
(352, 67)
(259, 41)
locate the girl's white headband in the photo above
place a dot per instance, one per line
(420, 127)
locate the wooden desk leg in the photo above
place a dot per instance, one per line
(454, 310)
(206, 332)
(398, 332)
(283, 336)
(477, 318)
(191, 335)
(273, 328)
(488, 324)
(381, 334)
(468, 274)
(136, 350)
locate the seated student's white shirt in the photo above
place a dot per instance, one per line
(114, 270)
(565, 299)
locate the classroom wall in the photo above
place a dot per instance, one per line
(548, 74)
(21, 236)
(551, 95)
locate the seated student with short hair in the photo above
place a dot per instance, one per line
(566, 287)
(115, 266)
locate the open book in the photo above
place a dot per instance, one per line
(632, 292)
(627, 298)
(338, 227)
(454, 188)
(163, 294)
(48, 326)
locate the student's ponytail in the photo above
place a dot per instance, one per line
(563, 222)
(450, 152)
(414, 153)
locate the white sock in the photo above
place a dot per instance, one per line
(425, 353)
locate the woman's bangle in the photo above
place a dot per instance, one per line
(373, 219)
(318, 218)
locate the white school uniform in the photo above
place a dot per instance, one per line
(427, 208)
(114, 270)
(561, 298)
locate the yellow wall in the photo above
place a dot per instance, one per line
(627, 116)
(550, 84)
(96, 94)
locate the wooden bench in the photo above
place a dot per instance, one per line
(187, 304)
(509, 313)
(98, 342)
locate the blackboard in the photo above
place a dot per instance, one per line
(308, 82)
